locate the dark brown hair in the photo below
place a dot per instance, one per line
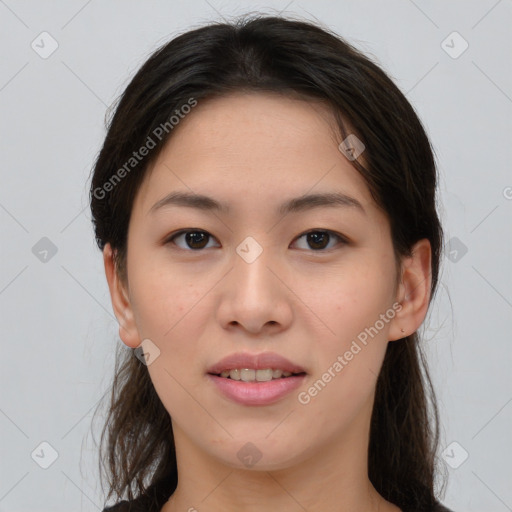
(289, 57)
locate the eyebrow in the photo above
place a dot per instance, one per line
(297, 204)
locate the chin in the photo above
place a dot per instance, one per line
(258, 455)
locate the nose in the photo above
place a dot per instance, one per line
(254, 295)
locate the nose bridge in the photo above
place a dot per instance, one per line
(251, 270)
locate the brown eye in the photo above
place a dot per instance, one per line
(194, 239)
(320, 239)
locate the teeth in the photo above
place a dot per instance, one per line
(235, 374)
(251, 375)
(248, 375)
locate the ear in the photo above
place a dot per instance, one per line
(120, 301)
(413, 291)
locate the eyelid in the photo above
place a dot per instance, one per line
(343, 239)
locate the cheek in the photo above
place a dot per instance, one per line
(351, 306)
(163, 298)
(170, 312)
(350, 300)
(172, 309)
(349, 358)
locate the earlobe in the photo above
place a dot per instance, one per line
(413, 291)
(120, 301)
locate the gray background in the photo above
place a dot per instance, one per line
(58, 328)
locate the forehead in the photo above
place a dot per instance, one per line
(272, 119)
(251, 149)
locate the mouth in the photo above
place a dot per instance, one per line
(254, 375)
(255, 379)
(255, 392)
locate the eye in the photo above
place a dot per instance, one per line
(195, 239)
(319, 239)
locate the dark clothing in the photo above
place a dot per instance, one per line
(155, 506)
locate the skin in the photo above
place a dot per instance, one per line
(253, 151)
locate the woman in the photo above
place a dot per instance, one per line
(265, 200)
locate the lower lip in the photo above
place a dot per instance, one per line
(256, 393)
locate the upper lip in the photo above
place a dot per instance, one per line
(259, 361)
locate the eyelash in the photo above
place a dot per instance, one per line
(170, 239)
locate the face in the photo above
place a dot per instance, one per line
(315, 284)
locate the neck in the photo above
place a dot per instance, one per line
(334, 477)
